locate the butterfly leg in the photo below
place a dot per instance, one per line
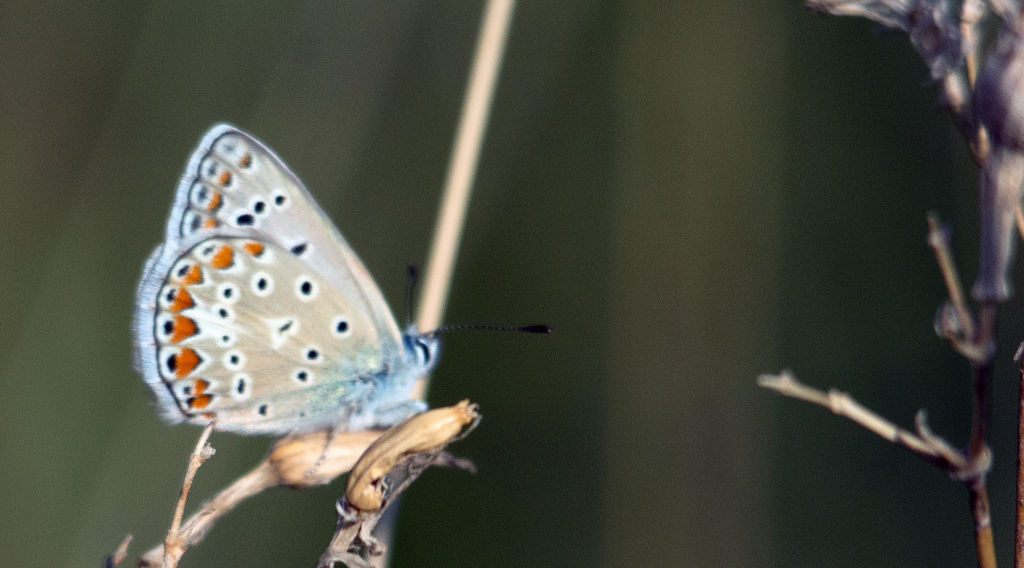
(387, 416)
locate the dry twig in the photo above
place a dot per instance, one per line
(923, 443)
(297, 461)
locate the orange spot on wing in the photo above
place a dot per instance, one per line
(182, 300)
(186, 361)
(253, 248)
(209, 223)
(223, 258)
(214, 202)
(224, 178)
(246, 160)
(201, 401)
(183, 327)
(193, 276)
(199, 386)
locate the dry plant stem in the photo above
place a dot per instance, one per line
(982, 371)
(970, 468)
(462, 169)
(939, 241)
(174, 545)
(977, 344)
(959, 84)
(200, 523)
(476, 107)
(1018, 552)
(1019, 216)
(971, 12)
(299, 460)
(977, 450)
(977, 453)
(119, 554)
(924, 443)
(983, 543)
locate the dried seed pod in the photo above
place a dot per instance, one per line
(309, 459)
(426, 432)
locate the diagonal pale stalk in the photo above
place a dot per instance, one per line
(462, 167)
(480, 87)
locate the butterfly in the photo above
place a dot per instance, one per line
(255, 310)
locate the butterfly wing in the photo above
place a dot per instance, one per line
(255, 309)
(233, 180)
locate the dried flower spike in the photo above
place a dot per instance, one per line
(427, 432)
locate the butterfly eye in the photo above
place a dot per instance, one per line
(424, 351)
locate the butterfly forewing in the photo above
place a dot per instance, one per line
(234, 181)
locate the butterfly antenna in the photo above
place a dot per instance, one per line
(535, 328)
(412, 275)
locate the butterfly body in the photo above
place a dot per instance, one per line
(256, 311)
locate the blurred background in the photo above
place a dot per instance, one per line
(690, 193)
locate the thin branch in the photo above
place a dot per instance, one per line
(961, 329)
(958, 84)
(984, 545)
(1018, 553)
(978, 450)
(982, 374)
(120, 553)
(174, 545)
(969, 468)
(1019, 216)
(924, 443)
(977, 344)
(300, 460)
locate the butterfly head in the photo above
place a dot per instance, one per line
(422, 348)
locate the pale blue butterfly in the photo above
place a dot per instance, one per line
(256, 311)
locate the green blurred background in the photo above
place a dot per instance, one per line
(691, 193)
